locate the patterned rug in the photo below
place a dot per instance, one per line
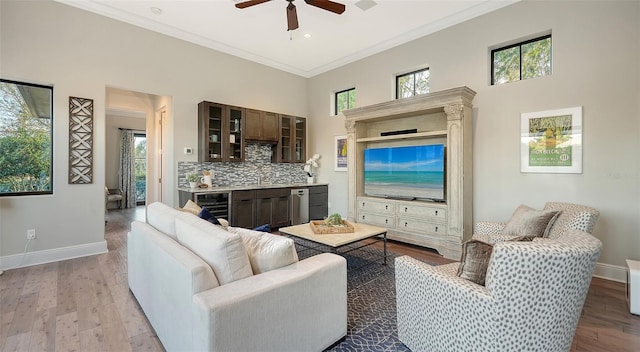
(371, 300)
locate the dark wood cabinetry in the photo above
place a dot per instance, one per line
(243, 209)
(318, 202)
(261, 126)
(292, 144)
(220, 130)
(273, 207)
(258, 207)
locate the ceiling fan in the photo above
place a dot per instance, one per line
(292, 15)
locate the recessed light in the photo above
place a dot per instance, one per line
(307, 35)
(155, 10)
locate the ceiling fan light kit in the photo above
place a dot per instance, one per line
(292, 15)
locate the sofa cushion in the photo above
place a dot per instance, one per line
(163, 218)
(266, 251)
(222, 250)
(527, 221)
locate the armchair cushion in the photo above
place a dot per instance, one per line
(475, 261)
(527, 221)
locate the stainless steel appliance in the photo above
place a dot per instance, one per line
(299, 206)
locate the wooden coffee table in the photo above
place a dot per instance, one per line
(338, 240)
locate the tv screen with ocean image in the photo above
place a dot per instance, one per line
(405, 172)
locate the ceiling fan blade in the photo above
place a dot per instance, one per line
(327, 5)
(244, 4)
(292, 17)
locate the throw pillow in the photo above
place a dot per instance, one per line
(266, 251)
(206, 215)
(222, 250)
(263, 228)
(475, 261)
(162, 218)
(527, 221)
(191, 207)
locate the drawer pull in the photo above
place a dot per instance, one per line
(386, 221)
(405, 224)
(363, 204)
(436, 228)
(405, 209)
(386, 207)
(436, 213)
(362, 217)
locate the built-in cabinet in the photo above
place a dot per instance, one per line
(438, 117)
(273, 207)
(220, 130)
(318, 202)
(244, 209)
(223, 131)
(291, 147)
(261, 126)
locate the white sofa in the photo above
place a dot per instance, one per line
(301, 306)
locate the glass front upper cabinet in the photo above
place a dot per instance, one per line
(220, 132)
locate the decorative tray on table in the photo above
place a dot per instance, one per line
(321, 227)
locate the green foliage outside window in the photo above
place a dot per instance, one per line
(412, 84)
(522, 61)
(25, 138)
(345, 100)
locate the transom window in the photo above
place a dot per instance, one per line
(524, 60)
(412, 83)
(345, 99)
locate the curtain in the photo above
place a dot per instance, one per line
(127, 171)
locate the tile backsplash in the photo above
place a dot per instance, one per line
(257, 163)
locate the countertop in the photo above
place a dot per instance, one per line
(225, 189)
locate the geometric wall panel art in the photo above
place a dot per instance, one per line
(80, 140)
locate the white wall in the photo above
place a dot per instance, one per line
(596, 65)
(81, 54)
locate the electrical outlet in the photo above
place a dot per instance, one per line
(31, 234)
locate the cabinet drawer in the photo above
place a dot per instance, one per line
(243, 195)
(375, 219)
(376, 206)
(411, 225)
(422, 210)
(272, 193)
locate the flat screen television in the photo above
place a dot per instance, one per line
(412, 172)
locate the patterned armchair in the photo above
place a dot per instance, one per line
(532, 298)
(572, 216)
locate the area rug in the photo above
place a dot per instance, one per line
(371, 300)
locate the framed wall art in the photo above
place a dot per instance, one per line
(340, 153)
(551, 141)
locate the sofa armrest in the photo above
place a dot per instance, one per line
(300, 307)
(164, 276)
(433, 298)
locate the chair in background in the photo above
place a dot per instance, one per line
(112, 195)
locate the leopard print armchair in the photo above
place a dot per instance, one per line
(572, 216)
(531, 301)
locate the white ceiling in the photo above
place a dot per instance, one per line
(259, 33)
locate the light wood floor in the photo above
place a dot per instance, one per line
(84, 304)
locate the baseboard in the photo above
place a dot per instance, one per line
(52, 255)
(611, 272)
